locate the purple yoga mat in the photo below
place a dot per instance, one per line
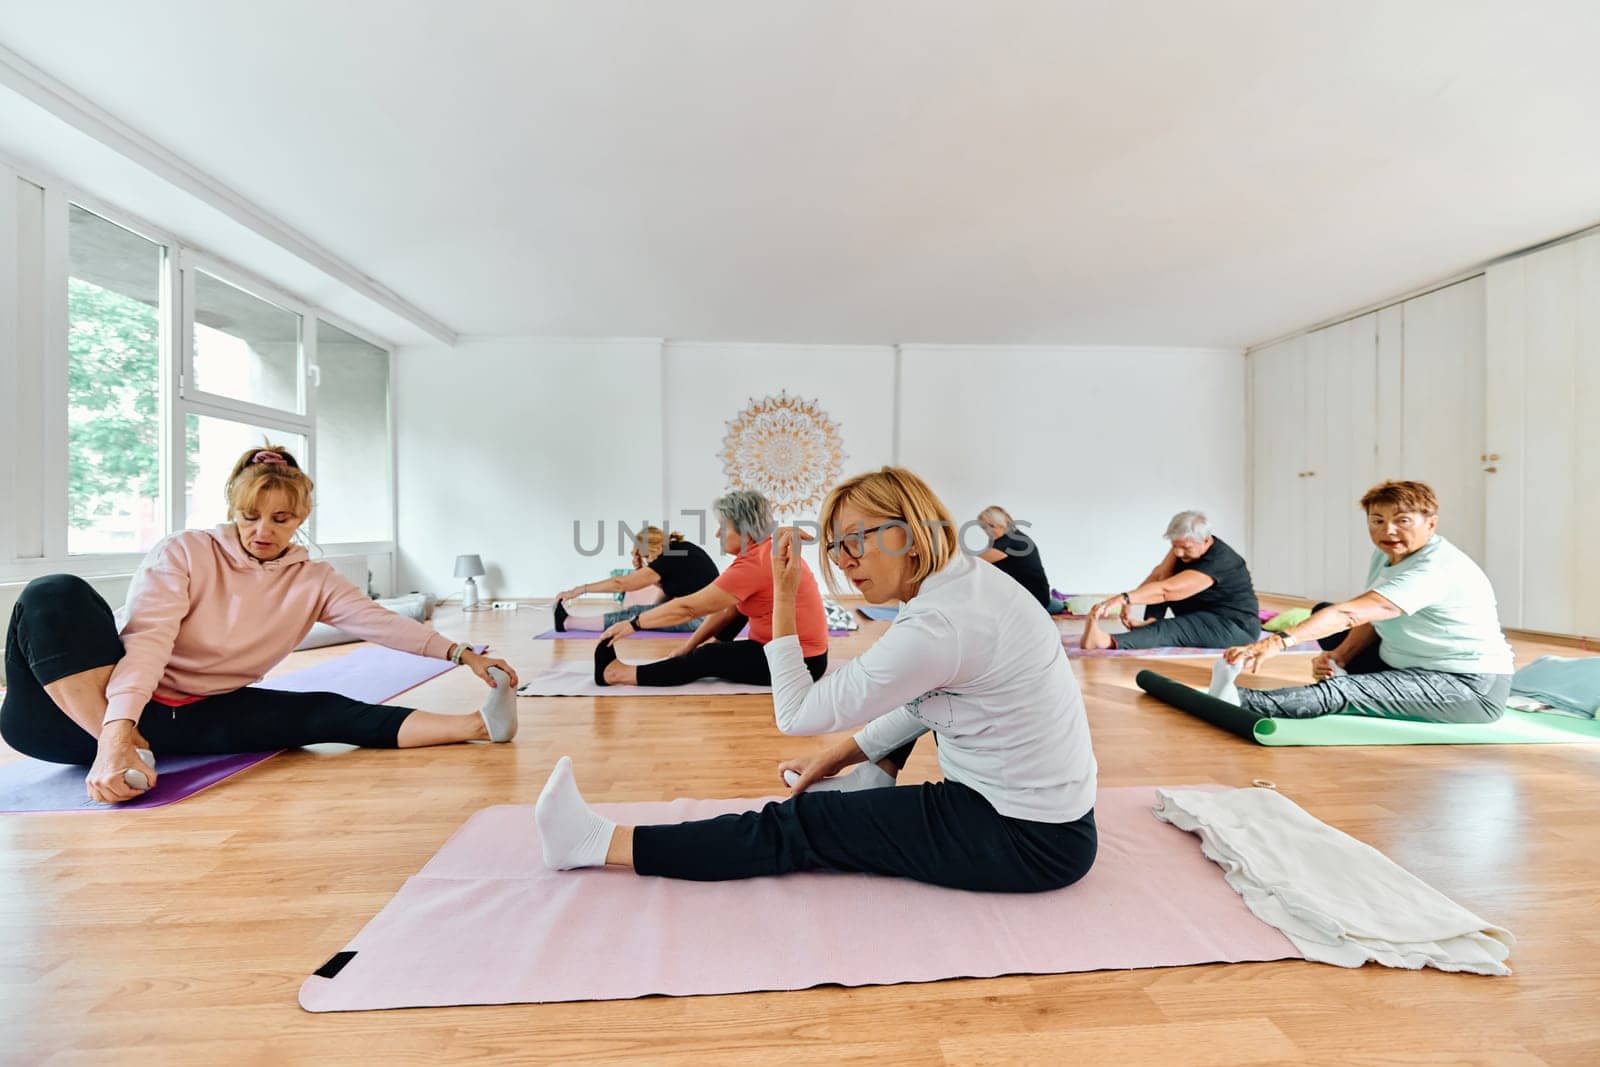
(369, 674)
(29, 785)
(593, 635)
(485, 923)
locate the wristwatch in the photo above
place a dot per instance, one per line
(634, 622)
(1288, 641)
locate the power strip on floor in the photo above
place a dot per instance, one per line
(502, 605)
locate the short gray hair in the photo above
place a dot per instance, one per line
(1188, 526)
(748, 512)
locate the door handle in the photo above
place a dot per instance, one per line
(1490, 470)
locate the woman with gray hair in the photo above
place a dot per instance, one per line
(743, 591)
(1202, 581)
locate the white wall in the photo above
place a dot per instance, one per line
(708, 384)
(503, 444)
(1097, 447)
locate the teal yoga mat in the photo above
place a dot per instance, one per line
(1514, 728)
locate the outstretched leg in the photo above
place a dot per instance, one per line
(1416, 694)
(943, 833)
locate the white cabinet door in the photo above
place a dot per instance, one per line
(1442, 410)
(1277, 413)
(1348, 467)
(1310, 540)
(1586, 453)
(1549, 513)
(1543, 375)
(1505, 334)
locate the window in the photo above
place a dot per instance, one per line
(134, 371)
(113, 387)
(212, 446)
(352, 430)
(245, 348)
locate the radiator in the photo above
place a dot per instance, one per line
(353, 568)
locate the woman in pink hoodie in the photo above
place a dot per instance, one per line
(210, 612)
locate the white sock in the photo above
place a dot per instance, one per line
(499, 709)
(571, 833)
(1223, 677)
(865, 776)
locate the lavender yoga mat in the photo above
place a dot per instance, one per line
(369, 674)
(577, 680)
(484, 923)
(1166, 652)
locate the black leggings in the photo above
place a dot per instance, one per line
(61, 627)
(1199, 629)
(943, 833)
(734, 661)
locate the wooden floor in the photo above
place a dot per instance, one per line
(181, 935)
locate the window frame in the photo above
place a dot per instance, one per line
(44, 513)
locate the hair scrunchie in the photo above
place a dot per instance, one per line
(270, 458)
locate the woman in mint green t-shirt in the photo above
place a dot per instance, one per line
(1423, 642)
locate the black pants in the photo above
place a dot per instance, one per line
(61, 627)
(943, 833)
(734, 661)
(1201, 629)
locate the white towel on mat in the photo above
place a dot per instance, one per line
(1339, 900)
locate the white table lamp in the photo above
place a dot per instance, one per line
(469, 567)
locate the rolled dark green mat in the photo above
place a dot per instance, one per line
(1230, 717)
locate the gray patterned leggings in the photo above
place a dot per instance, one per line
(1374, 688)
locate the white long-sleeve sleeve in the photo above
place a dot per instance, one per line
(888, 732)
(915, 657)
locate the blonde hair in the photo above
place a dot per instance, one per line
(651, 542)
(996, 515)
(898, 495)
(270, 468)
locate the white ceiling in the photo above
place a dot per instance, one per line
(870, 170)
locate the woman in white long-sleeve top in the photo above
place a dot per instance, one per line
(966, 659)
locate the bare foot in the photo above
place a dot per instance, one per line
(1094, 637)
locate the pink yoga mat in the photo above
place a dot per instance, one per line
(485, 923)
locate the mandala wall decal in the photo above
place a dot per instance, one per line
(785, 448)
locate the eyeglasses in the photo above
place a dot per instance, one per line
(853, 545)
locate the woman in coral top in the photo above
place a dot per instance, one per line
(742, 592)
(208, 613)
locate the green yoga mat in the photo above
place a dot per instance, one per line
(1514, 728)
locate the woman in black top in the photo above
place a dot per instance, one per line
(1202, 581)
(1015, 553)
(679, 566)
